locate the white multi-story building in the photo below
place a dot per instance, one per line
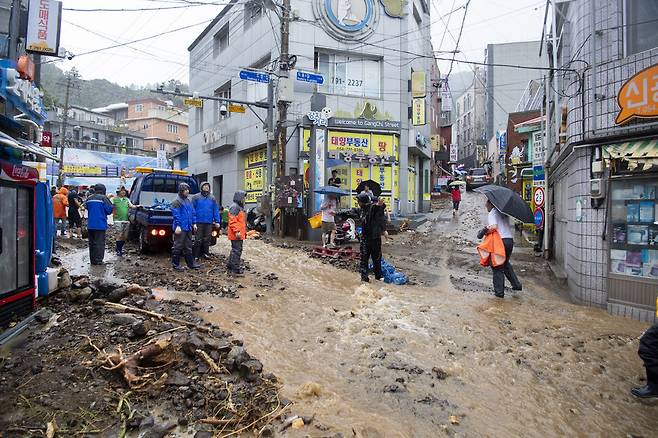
(366, 51)
(469, 128)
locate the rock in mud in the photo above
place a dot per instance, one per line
(124, 319)
(251, 369)
(64, 281)
(236, 357)
(439, 373)
(105, 286)
(77, 295)
(81, 283)
(392, 388)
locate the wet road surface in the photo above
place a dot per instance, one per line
(376, 360)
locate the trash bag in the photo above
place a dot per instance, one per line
(391, 275)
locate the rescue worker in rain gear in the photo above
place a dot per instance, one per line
(237, 231)
(373, 225)
(75, 220)
(98, 207)
(648, 352)
(60, 202)
(183, 226)
(207, 217)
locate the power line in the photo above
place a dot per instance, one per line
(162, 8)
(461, 29)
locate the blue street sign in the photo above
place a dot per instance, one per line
(539, 218)
(316, 78)
(255, 76)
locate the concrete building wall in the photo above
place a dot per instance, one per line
(594, 33)
(231, 137)
(505, 85)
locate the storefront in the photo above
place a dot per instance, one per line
(358, 150)
(633, 223)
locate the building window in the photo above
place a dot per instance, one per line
(163, 147)
(172, 129)
(224, 92)
(349, 75)
(641, 35)
(634, 240)
(146, 126)
(198, 119)
(139, 108)
(220, 41)
(252, 12)
(257, 91)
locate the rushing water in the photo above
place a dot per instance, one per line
(361, 356)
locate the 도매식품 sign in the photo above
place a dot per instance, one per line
(44, 21)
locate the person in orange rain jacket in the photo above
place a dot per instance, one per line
(237, 231)
(499, 223)
(60, 202)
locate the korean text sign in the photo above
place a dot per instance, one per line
(44, 21)
(638, 97)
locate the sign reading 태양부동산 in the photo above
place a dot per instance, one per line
(43, 27)
(638, 97)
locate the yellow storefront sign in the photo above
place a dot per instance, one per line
(396, 182)
(359, 174)
(82, 170)
(384, 176)
(418, 84)
(234, 108)
(254, 178)
(306, 145)
(418, 111)
(384, 144)
(349, 141)
(255, 157)
(252, 197)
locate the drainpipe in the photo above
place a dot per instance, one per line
(556, 114)
(592, 20)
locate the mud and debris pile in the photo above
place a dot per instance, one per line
(108, 359)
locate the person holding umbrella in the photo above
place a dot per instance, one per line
(328, 209)
(501, 203)
(456, 194)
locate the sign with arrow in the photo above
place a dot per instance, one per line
(254, 76)
(315, 78)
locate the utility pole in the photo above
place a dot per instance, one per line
(270, 147)
(284, 68)
(70, 76)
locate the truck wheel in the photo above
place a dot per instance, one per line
(143, 244)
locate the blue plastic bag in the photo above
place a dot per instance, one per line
(391, 275)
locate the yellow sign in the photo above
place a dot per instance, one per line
(418, 111)
(82, 170)
(638, 97)
(254, 178)
(255, 157)
(388, 201)
(359, 174)
(252, 197)
(396, 182)
(234, 108)
(192, 102)
(384, 176)
(342, 172)
(349, 141)
(427, 197)
(383, 144)
(411, 186)
(418, 84)
(306, 145)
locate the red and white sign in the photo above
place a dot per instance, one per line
(47, 139)
(43, 25)
(18, 172)
(539, 197)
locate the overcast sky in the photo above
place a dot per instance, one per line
(166, 57)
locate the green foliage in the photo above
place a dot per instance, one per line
(92, 93)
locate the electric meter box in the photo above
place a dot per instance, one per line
(597, 188)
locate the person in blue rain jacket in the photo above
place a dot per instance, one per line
(98, 207)
(184, 227)
(207, 217)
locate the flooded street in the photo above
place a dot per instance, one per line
(443, 355)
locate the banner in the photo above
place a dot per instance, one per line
(349, 141)
(384, 176)
(43, 25)
(359, 174)
(256, 157)
(383, 144)
(254, 178)
(418, 111)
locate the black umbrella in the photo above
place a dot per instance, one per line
(508, 202)
(375, 187)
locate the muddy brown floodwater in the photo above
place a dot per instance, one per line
(441, 357)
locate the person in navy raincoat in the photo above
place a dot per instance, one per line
(207, 217)
(184, 227)
(98, 207)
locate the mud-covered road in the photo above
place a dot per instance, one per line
(442, 356)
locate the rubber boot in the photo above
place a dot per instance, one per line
(189, 259)
(175, 262)
(650, 389)
(120, 244)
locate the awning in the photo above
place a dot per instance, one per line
(26, 146)
(640, 153)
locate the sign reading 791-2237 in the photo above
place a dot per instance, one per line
(638, 97)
